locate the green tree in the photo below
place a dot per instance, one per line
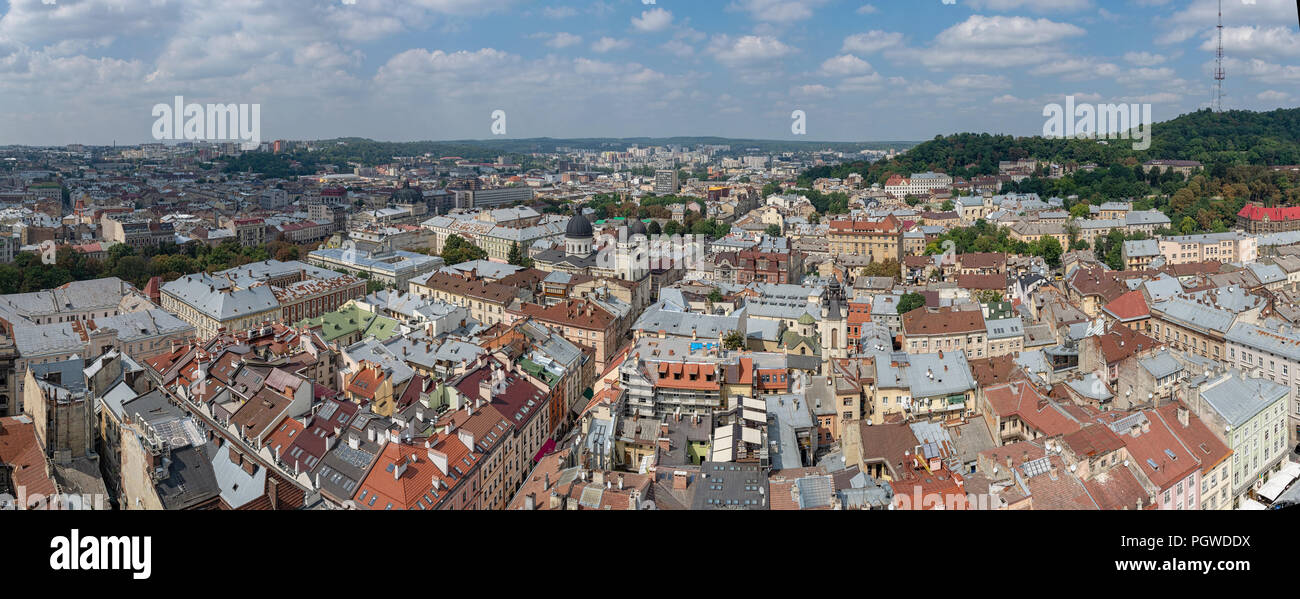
(909, 302)
(517, 257)
(456, 250)
(734, 340)
(889, 268)
(773, 231)
(653, 228)
(1050, 249)
(715, 296)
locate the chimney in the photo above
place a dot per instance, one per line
(1146, 426)
(273, 492)
(679, 480)
(555, 502)
(1184, 416)
(439, 459)
(530, 502)
(598, 476)
(620, 482)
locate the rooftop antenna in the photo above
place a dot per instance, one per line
(1218, 68)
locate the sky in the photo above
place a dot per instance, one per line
(91, 71)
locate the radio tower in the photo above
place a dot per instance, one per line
(1218, 67)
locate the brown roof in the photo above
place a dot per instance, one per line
(982, 282)
(496, 293)
(260, 413)
(983, 260)
(1122, 342)
(579, 313)
(1037, 412)
(994, 371)
(942, 321)
(20, 451)
(890, 443)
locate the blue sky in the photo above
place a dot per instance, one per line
(90, 71)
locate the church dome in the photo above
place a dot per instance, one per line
(579, 227)
(636, 227)
(406, 195)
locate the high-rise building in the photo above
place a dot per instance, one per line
(666, 181)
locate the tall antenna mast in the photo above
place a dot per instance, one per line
(1218, 68)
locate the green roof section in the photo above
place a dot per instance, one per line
(537, 371)
(351, 319)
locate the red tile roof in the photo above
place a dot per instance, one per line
(1256, 212)
(1173, 461)
(403, 474)
(942, 321)
(1037, 412)
(20, 451)
(982, 282)
(1130, 306)
(686, 375)
(1122, 342)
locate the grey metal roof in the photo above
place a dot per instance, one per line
(1286, 345)
(132, 326)
(814, 491)
(1161, 365)
(1197, 316)
(1005, 328)
(1238, 398)
(1146, 217)
(1267, 273)
(237, 486)
(710, 326)
(1142, 248)
(47, 339)
(1092, 387)
(215, 298)
(76, 296)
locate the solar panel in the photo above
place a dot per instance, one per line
(1036, 467)
(591, 496)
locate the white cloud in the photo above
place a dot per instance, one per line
(1038, 6)
(559, 12)
(777, 11)
(1275, 96)
(845, 64)
(564, 40)
(608, 44)
(747, 50)
(1144, 59)
(653, 20)
(1272, 41)
(678, 48)
(871, 41)
(994, 41)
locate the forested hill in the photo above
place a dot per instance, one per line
(1235, 137)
